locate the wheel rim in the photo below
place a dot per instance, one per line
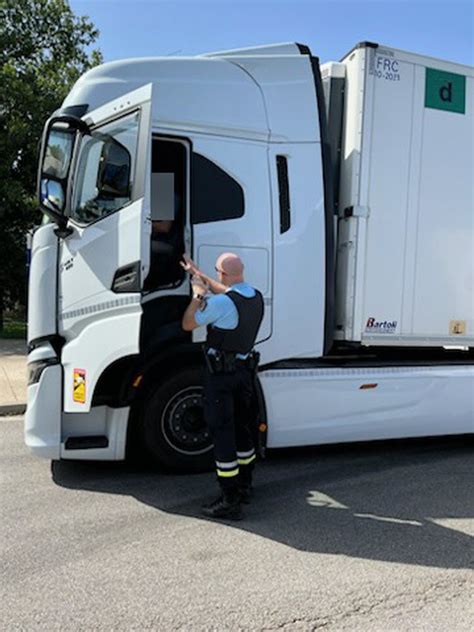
(183, 425)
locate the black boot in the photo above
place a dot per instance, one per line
(226, 506)
(245, 484)
(245, 493)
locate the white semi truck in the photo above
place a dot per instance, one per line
(346, 188)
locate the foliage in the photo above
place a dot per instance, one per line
(13, 330)
(44, 48)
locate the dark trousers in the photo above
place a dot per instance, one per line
(227, 410)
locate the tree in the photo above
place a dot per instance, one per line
(44, 48)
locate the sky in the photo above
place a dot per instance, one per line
(144, 28)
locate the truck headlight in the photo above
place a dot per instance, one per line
(35, 369)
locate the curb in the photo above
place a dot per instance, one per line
(12, 409)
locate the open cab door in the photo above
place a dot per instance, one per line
(104, 237)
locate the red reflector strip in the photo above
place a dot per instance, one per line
(366, 386)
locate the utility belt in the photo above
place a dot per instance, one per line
(226, 362)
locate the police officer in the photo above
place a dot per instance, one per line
(233, 314)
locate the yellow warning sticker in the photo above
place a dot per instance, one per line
(457, 327)
(79, 390)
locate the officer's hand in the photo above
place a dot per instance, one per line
(198, 285)
(189, 265)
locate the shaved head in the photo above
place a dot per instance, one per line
(232, 266)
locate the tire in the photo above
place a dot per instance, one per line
(174, 432)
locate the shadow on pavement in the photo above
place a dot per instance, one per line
(395, 502)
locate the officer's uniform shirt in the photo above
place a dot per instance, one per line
(220, 311)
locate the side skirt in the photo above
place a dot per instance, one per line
(335, 405)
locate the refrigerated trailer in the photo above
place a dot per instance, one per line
(346, 188)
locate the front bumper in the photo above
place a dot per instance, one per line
(43, 414)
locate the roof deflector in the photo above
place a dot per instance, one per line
(285, 48)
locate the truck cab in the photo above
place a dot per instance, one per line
(148, 159)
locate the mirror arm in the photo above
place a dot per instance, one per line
(75, 121)
(63, 231)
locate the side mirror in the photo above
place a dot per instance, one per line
(56, 154)
(113, 177)
(52, 195)
(52, 202)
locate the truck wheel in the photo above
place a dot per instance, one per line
(174, 430)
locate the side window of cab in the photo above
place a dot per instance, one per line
(215, 195)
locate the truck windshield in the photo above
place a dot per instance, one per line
(105, 171)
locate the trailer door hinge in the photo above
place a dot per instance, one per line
(356, 211)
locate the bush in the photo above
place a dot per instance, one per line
(13, 329)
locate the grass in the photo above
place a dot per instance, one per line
(13, 329)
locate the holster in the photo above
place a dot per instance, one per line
(225, 362)
(253, 360)
(220, 363)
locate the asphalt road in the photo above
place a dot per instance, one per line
(369, 538)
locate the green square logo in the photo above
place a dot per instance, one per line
(445, 91)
